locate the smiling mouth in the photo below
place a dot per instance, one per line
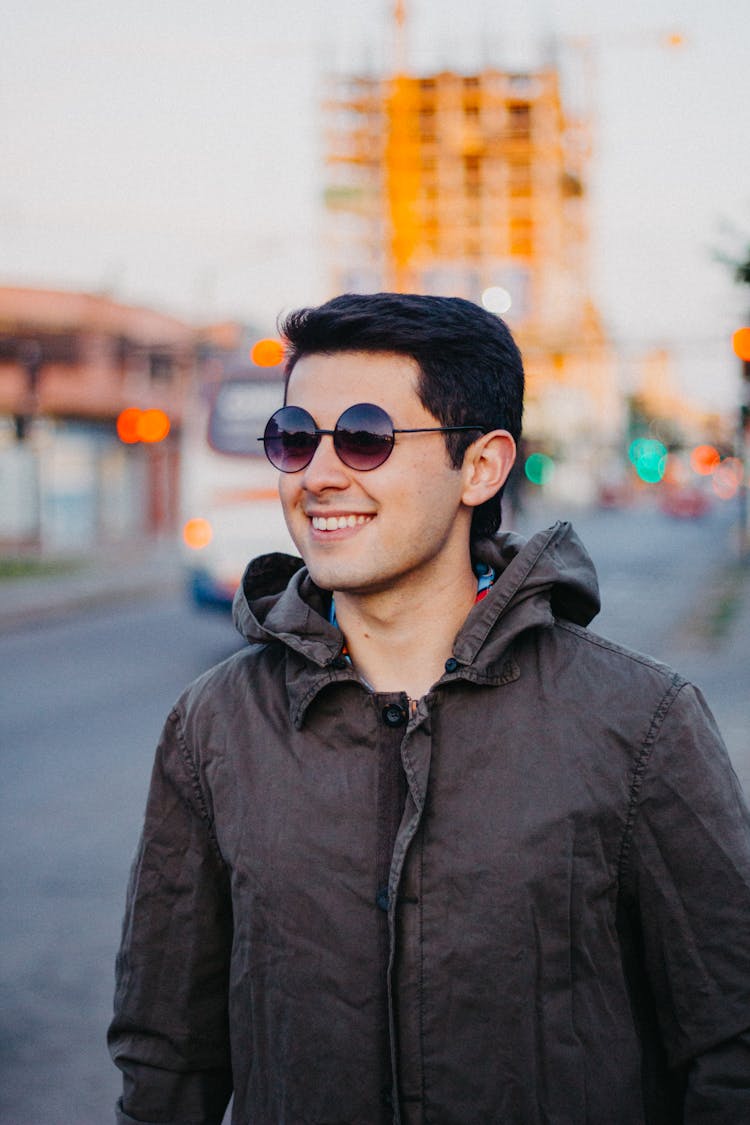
(337, 523)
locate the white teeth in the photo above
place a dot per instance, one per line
(335, 523)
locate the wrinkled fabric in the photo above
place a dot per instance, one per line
(525, 903)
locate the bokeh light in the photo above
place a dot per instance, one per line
(134, 425)
(539, 468)
(727, 478)
(741, 343)
(496, 299)
(649, 459)
(127, 425)
(197, 533)
(152, 426)
(267, 353)
(704, 459)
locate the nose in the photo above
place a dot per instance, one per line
(326, 470)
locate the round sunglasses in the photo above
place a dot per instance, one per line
(363, 437)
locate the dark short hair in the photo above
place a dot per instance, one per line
(470, 369)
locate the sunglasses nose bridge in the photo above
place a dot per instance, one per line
(325, 462)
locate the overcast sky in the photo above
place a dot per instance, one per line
(171, 153)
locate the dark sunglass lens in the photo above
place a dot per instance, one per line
(290, 439)
(363, 437)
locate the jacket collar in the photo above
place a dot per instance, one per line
(547, 576)
(550, 575)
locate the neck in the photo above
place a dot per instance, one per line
(401, 642)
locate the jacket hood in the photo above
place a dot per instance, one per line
(550, 575)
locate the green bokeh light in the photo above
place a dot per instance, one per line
(649, 458)
(539, 468)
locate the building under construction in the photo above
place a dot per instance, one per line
(462, 183)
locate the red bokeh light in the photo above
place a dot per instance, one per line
(704, 459)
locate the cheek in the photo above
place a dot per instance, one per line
(433, 486)
(288, 490)
(289, 494)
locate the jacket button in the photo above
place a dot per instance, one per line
(451, 664)
(381, 898)
(393, 715)
(339, 663)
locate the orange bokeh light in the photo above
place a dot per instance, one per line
(197, 533)
(704, 459)
(152, 426)
(127, 425)
(267, 353)
(741, 343)
(134, 425)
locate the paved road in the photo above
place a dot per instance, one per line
(82, 703)
(82, 706)
(674, 589)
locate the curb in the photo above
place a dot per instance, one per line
(109, 578)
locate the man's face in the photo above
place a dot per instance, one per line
(404, 524)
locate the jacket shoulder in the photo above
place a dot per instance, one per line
(600, 649)
(227, 686)
(611, 688)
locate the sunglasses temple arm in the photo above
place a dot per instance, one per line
(439, 429)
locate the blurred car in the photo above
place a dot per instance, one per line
(684, 501)
(615, 494)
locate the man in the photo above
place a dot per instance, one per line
(428, 850)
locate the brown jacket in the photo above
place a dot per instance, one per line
(526, 903)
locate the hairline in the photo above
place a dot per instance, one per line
(290, 365)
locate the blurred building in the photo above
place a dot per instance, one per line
(458, 184)
(658, 398)
(70, 363)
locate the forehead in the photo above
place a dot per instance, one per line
(324, 383)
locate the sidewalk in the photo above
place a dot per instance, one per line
(115, 573)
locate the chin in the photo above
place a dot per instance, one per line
(333, 578)
(323, 577)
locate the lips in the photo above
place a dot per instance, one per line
(337, 523)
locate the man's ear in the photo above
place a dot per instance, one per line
(486, 466)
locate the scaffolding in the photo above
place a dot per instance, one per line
(453, 183)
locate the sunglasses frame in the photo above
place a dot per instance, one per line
(389, 439)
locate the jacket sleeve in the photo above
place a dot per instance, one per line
(688, 860)
(169, 1035)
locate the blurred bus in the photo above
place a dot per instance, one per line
(229, 501)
